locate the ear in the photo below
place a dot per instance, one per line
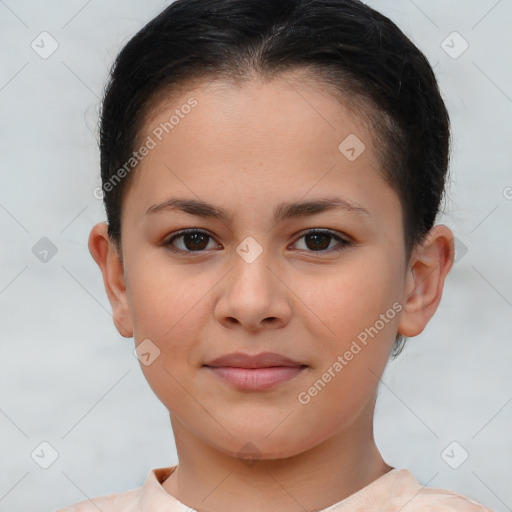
(106, 255)
(427, 269)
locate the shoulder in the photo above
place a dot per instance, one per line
(415, 497)
(125, 501)
(149, 496)
(440, 500)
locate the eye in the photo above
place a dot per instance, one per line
(193, 240)
(319, 240)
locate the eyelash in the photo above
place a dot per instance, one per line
(343, 243)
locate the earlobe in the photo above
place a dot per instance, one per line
(428, 267)
(107, 257)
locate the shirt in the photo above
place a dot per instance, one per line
(395, 491)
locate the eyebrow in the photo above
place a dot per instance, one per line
(282, 211)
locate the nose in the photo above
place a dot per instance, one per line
(253, 296)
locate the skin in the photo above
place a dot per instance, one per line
(247, 149)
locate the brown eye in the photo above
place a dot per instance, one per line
(318, 241)
(191, 241)
(321, 241)
(195, 241)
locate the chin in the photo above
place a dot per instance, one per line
(250, 447)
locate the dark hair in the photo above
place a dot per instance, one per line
(361, 55)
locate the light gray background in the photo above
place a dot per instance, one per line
(68, 378)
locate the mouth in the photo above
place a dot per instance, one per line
(255, 372)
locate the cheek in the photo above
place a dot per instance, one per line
(356, 348)
(167, 300)
(170, 311)
(351, 296)
(356, 304)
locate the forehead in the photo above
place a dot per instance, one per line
(292, 93)
(255, 140)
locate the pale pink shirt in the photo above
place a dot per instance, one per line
(394, 491)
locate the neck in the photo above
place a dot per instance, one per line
(209, 480)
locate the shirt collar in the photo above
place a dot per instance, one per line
(394, 483)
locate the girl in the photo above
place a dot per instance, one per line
(236, 136)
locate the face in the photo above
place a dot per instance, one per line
(321, 285)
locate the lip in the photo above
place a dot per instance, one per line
(255, 372)
(261, 360)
